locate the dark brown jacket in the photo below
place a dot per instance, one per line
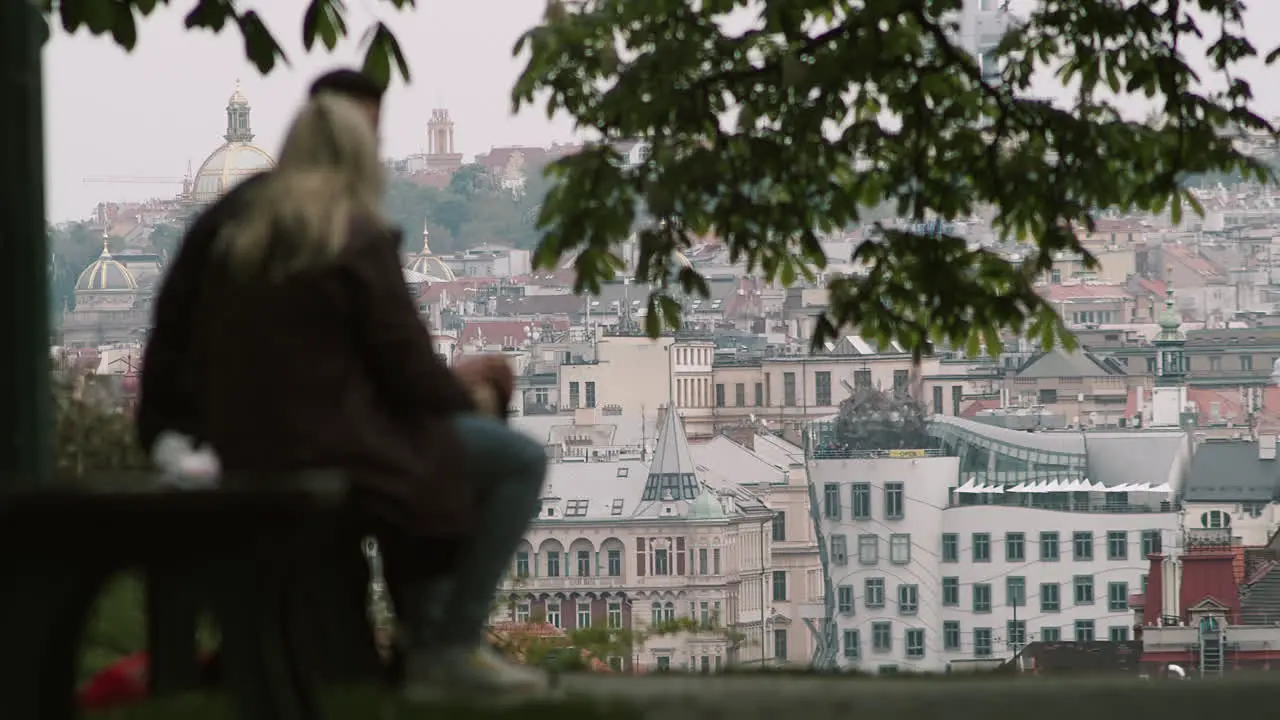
(331, 368)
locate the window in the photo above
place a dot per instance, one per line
(900, 548)
(1083, 585)
(664, 663)
(852, 644)
(915, 643)
(661, 562)
(615, 563)
(881, 639)
(1084, 631)
(553, 613)
(1119, 633)
(656, 618)
(522, 564)
(860, 501)
(981, 547)
(1082, 545)
(1050, 634)
(575, 508)
(584, 615)
(779, 585)
(574, 395)
(982, 642)
(553, 564)
(1049, 546)
(950, 635)
(669, 612)
(957, 399)
(740, 394)
(524, 612)
(1151, 543)
(822, 388)
(1142, 584)
(901, 382)
(615, 615)
(759, 394)
(861, 379)
(719, 394)
(1050, 597)
(702, 561)
(982, 597)
(591, 394)
(950, 547)
(1015, 591)
(789, 389)
(715, 561)
(831, 501)
(584, 563)
(1015, 547)
(868, 549)
(1015, 632)
(937, 399)
(839, 549)
(893, 492)
(951, 591)
(779, 526)
(908, 599)
(780, 644)
(873, 592)
(1117, 596)
(844, 599)
(1117, 545)
(1246, 362)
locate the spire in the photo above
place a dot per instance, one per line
(238, 127)
(426, 241)
(672, 473)
(1170, 320)
(106, 251)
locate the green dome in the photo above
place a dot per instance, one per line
(706, 507)
(1170, 320)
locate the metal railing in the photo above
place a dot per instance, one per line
(829, 453)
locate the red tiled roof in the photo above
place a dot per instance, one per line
(1228, 402)
(978, 406)
(1154, 287)
(1195, 262)
(1084, 291)
(504, 332)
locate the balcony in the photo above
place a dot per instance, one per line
(563, 583)
(1209, 538)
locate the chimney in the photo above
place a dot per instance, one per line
(1153, 602)
(1267, 446)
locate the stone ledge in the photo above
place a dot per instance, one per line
(781, 697)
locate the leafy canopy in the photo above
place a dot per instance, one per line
(324, 21)
(825, 108)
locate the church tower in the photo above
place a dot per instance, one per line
(1170, 394)
(441, 155)
(238, 128)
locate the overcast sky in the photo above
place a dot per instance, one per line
(150, 113)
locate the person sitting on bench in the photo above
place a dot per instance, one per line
(308, 353)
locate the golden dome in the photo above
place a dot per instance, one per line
(238, 158)
(424, 263)
(106, 274)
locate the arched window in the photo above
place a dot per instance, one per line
(669, 612)
(657, 614)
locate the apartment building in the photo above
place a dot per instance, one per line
(637, 541)
(949, 557)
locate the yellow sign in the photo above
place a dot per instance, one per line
(907, 453)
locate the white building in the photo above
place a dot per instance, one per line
(630, 542)
(934, 573)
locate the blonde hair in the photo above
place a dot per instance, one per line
(328, 174)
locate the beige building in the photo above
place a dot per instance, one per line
(1085, 388)
(635, 543)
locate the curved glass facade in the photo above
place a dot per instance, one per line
(991, 454)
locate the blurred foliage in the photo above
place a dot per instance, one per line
(94, 441)
(770, 134)
(323, 21)
(472, 210)
(873, 419)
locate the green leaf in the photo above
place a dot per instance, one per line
(260, 47)
(324, 20)
(382, 50)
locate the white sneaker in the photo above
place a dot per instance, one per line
(477, 673)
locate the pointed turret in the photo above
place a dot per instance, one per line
(672, 473)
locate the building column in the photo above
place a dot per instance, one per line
(24, 313)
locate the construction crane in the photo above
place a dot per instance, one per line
(133, 180)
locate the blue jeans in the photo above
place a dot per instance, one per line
(508, 469)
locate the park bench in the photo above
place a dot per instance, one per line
(284, 582)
